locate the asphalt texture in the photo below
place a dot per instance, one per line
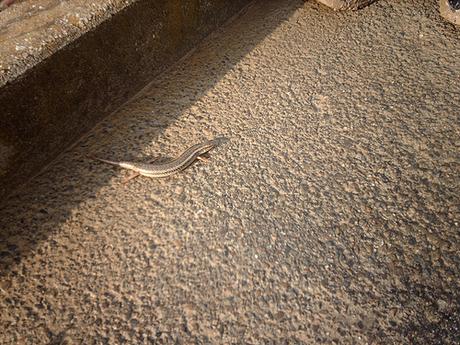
(331, 215)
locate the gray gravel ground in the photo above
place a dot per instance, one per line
(330, 216)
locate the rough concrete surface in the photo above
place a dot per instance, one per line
(330, 216)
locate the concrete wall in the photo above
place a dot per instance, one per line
(55, 102)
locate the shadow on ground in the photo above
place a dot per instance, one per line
(38, 209)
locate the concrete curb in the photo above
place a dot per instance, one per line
(450, 12)
(52, 104)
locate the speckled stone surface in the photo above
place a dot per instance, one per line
(330, 216)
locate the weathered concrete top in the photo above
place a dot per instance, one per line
(30, 31)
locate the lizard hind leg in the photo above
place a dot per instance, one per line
(133, 175)
(204, 157)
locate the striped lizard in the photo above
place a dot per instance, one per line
(169, 168)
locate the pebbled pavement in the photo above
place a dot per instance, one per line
(330, 216)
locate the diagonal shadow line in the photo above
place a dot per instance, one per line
(45, 203)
